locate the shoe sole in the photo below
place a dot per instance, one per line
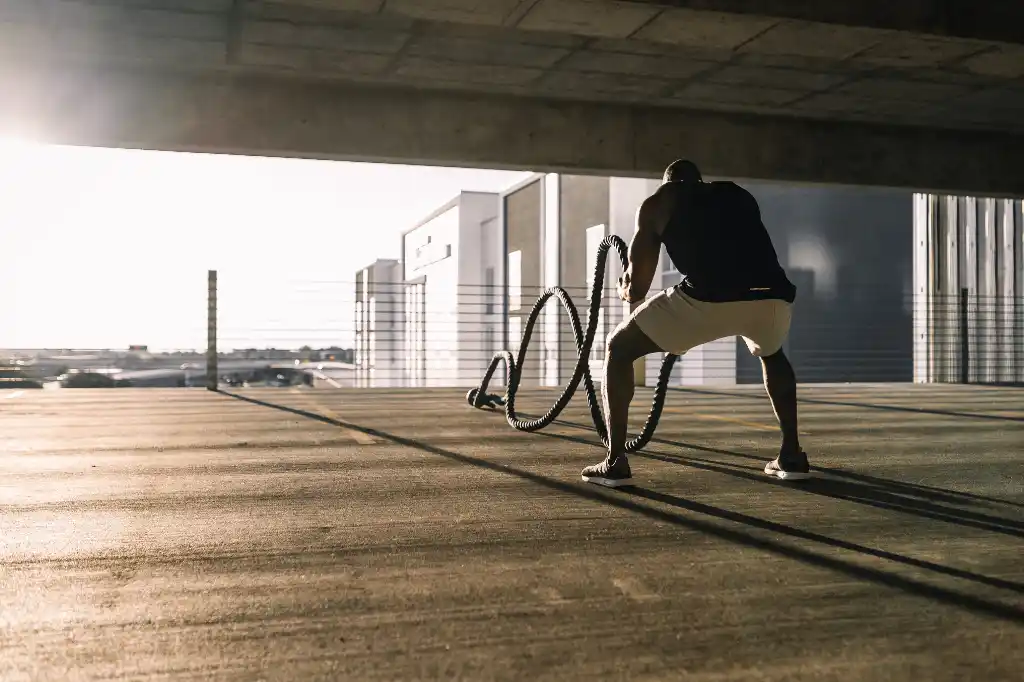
(787, 475)
(608, 482)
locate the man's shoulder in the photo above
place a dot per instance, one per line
(729, 187)
(726, 192)
(657, 209)
(671, 194)
(689, 189)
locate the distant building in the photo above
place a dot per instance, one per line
(553, 226)
(379, 309)
(848, 250)
(451, 275)
(968, 250)
(472, 270)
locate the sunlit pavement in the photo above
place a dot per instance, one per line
(289, 534)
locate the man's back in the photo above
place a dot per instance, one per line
(717, 241)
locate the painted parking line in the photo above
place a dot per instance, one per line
(635, 590)
(716, 417)
(355, 434)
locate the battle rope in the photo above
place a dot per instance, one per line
(479, 398)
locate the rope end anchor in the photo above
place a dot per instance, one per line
(485, 400)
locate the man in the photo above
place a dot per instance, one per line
(732, 285)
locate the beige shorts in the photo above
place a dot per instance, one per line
(678, 323)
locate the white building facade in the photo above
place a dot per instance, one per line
(969, 289)
(553, 225)
(451, 274)
(471, 272)
(379, 315)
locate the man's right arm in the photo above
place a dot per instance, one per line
(645, 248)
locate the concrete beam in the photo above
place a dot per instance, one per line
(271, 117)
(999, 20)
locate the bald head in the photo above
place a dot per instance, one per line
(682, 170)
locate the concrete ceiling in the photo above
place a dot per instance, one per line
(803, 60)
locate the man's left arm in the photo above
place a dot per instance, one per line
(644, 251)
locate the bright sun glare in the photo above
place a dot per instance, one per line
(109, 246)
(15, 147)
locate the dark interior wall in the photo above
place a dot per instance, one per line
(850, 253)
(584, 204)
(522, 224)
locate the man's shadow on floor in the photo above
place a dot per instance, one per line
(969, 602)
(822, 486)
(857, 404)
(907, 498)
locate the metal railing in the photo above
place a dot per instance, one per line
(397, 334)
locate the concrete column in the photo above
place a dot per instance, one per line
(551, 250)
(922, 288)
(947, 318)
(968, 210)
(211, 331)
(987, 289)
(975, 243)
(498, 380)
(1018, 214)
(1005, 286)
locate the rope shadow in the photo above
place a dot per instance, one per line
(873, 493)
(954, 598)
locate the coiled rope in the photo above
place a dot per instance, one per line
(479, 398)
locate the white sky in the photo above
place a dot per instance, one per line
(102, 248)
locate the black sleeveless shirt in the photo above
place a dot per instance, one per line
(717, 241)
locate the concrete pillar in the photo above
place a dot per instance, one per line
(968, 210)
(1018, 288)
(976, 244)
(987, 291)
(922, 287)
(551, 250)
(211, 331)
(947, 317)
(1005, 282)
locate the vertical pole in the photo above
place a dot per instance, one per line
(211, 331)
(964, 339)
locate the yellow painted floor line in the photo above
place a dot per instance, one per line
(354, 434)
(733, 420)
(635, 590)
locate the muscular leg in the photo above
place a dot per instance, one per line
(780, 382)
(625, 345)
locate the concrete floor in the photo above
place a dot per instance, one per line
(386, 535)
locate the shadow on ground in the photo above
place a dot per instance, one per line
(627, 501)
(881, 493)
(870, 406)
